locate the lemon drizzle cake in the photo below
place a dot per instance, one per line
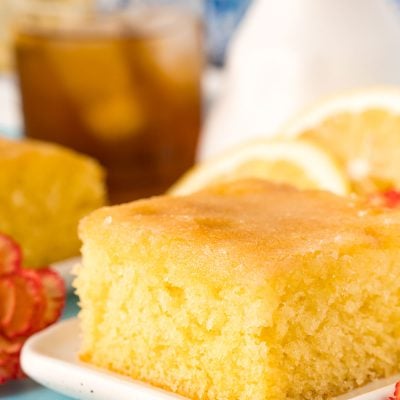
(45, 190)
(247, 291)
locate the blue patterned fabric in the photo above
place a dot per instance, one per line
(222, 18)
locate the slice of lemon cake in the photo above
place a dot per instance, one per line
(247, 291)
(45, 190)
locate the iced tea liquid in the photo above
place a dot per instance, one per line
(125, 90)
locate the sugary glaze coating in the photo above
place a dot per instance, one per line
(245, 291)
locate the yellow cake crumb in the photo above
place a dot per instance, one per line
(248, 291)
(44, 191)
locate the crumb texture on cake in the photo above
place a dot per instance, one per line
(44, 191)
(247, 291)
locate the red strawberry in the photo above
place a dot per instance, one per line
(392, 198)
(396, 394)
(10, 369)
(10, 256)
(7, 300)
(19, 373)
(54, 294)
(9, 348)
(389, 199)
(29, 300)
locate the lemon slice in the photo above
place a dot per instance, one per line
(362, 131)
(299, 163)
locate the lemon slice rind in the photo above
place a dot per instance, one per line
(385, 98)
(316, 163)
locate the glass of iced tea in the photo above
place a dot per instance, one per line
(122, 85)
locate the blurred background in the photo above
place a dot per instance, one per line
(149, 87)
(124, 81)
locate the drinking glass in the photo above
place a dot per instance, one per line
(118, 80)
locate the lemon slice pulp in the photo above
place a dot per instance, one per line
(299, 163)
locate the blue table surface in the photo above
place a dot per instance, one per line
(27, 389)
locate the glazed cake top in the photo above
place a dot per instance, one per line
(254, 222)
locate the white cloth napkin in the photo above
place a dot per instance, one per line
(10, 115)
(289, 53)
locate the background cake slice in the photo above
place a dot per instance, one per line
(247, 291)
(44, 191)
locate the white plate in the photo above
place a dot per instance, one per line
(49, 357)
(64, 268)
